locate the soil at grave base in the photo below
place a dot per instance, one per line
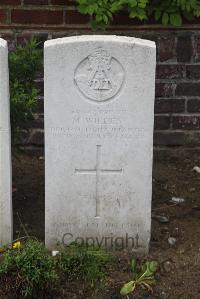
(179, 273)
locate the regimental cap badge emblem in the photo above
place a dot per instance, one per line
(99, 77)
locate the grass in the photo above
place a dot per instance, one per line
(29, 271)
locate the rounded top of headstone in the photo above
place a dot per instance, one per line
(97, 38)
(3, 43)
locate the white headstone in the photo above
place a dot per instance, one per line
(99, 112)
(5, 150)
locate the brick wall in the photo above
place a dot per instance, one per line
(177, 106)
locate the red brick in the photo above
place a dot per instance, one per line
(37, 17)
(184, 48)
(170, 138)
(188, 89)
(10, 2)
(63, 2)
(58, 2)
(165, 89)
(167, 48)
(193, 71)
(166, 71)
(36, 2)
(177, 138)
(193, 105)
(191, 122)
(3, 16)
(161, 122)
(74, 17)
(169, 105)
(196, 49)
(122, 18)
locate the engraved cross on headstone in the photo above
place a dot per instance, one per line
(98, 171)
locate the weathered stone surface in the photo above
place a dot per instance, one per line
(5, 150)
(99, 108)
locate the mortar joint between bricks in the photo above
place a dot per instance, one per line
(37, 8)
